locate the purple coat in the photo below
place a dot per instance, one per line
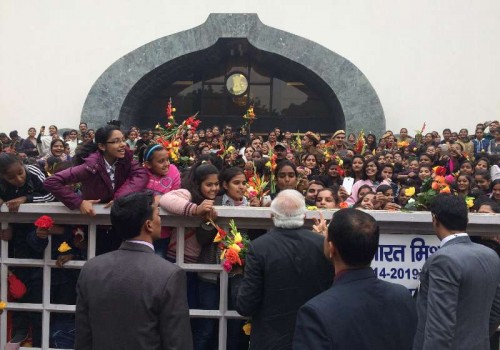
(129, 177)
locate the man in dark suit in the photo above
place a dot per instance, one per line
(359, 311)
(131, 298)
(284, 268)
(458, 303)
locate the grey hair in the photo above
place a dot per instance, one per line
(288, 209)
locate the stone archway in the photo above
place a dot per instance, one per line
(110, 98)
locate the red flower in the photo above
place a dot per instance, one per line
(221, 232)
(44, 222)
(340, 170)
(440, 171)
(344, 205)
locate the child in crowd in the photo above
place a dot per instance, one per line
(327, 199)
(106, 170)
(20, 184)
(163, 178)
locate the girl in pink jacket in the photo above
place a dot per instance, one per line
(163, 177)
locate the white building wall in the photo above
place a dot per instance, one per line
(428, 60)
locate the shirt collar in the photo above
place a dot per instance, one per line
(453, 236)
(107, 165)
(143, 243)
(227, 201)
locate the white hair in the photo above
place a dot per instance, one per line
(288, 209)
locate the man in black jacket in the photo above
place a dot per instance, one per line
(284, 269)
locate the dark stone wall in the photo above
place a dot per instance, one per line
(140, 70)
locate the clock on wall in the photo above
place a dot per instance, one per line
(237, 84)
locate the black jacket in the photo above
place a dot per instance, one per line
(284, 269)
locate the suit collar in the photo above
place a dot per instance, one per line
(135, 247)
(457, 240)
(354, 275)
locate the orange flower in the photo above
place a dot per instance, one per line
(435, 186)
(343, 205)
(445, 190)
(439, 179)
(232, 256)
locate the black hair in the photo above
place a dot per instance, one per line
(316, 182)
(149, 152)
(451, 211)
(60, 166)
(101, 136)
(228, 173)
(425, 166)
(484, 173)
(431, 158)
(363, 187)
(51, 162)
(485, 159)
(363, 173)
(6, 160)
(355, 235)
(467, 161)
(283, 164)
(332, 191)
(384, 188)
(129, 213)
(495, 207)
(196, 175)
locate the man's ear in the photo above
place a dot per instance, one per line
(148, 227)
(435, 221)
(332, 250)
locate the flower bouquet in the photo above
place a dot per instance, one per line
(249, 117)
(256, 186)
(233, 246)
(431, 187)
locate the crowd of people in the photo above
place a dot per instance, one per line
(214, 166)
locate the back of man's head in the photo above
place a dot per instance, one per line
(355, 235)
(450, 211)
(288, 209)
(129, 213)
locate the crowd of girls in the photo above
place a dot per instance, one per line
(330, 173)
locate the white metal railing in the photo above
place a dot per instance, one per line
(389, 221)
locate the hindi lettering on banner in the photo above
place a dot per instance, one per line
(399, 258)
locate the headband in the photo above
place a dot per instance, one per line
(151, 151)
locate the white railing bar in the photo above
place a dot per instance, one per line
(389, 221)
(201, 267)
(92, 234)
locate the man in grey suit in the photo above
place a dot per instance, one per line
(458, 303)
(132, 298)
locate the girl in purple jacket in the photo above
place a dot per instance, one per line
(106, 170)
